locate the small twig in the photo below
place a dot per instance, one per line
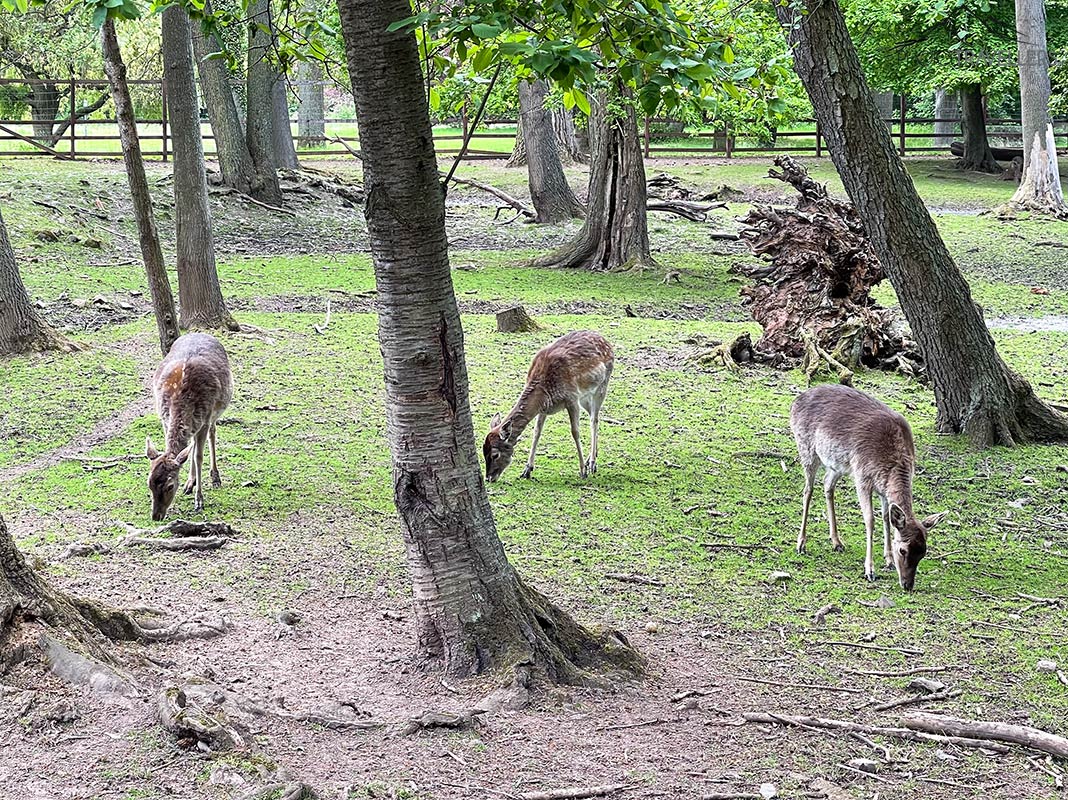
(576, 793)
(906, 650)
(647, 723)
(625, 578)
(326, 322)
(268, 206)
(866, 774)
(899, 673)
(911, 701)
(788, 684)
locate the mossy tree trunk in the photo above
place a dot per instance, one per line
(978, 156)
(473, 612)
(975, 392)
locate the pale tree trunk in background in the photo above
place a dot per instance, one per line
(568, 143)
(22, 330)
(884, 101)
(615, 234)
(259, 102)
(977, 153)
(975, 392)
(946, 108)
(1040, 187)
(549, 191)
(473, 614)
(285, 152)
(311, 128)
(148, 236)
(235, 162)
(199, 295)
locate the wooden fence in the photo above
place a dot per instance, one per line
(98, 138)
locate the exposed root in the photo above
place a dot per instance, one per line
(815, 357)
(463, 720)
(695, 212)
(711, 352)
(186, 536)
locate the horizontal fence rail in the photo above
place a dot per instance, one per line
(74, 134)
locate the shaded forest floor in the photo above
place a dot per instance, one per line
(697, 491)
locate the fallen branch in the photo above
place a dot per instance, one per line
(764, 718)
(185, 536)
(787, 684)
(1032, 738)
(576, 793)
(906, 650)
(442, 719)
(625, 578)
(176, 545)
(511, 202)
(695, 212)
(322, 328)
(922, 698)
(897, 673)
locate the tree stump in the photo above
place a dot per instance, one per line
(815, 294)
(516, 320)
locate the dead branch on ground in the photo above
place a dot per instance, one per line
(576, 793)
(1031, 738)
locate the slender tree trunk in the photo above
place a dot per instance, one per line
(44, 102)
(947, 116)
(259, 104)
(977, 154)
(1040, 187)
(311, 115)
(285, 153)
(549, 191)
(615, 235)
(231, 149)
(473, 613)
(975, 392)
(22, 330)
(199, 294)
(569, 145)
(148, 236)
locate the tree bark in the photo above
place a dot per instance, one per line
(473, 612)
(285, 153)
(259, 101)
(975, 392)
(311, 125)
(885, 103)
(977, 154)
(549, 191)
(44, 102)
(615, 235)
(946, 109)
(1040, 188)
(569, 145)
(148, 236)
(199, 294)
(231, 149)
(22, 330)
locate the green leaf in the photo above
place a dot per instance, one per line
(728, 54)
(742, 74)
(483, 58)
(435, 98)
(100, 15)
(581, 100)
(485, 30)
(401, 23)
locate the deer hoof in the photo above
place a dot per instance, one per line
(839, 548)
(800, 548)
(188, 488)
(216, 480)
(591, 467)
(528, 472)
(870, 575)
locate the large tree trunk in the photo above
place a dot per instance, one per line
(148, 236)
(947, 116)
(22, 330)
(885, 103)
(259, 104)
(1040, 186)
(616, 233)
(569, 145)
(549, 191)
(977, 154)
(285, 153)
(199, 294)
(473, 613)
(311, 114)
(975, 392)
(44, 102)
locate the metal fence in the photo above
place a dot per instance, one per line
(82, 136)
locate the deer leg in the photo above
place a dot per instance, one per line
(887, 555)
(534, 446)
(191, 481)
(806, 499)
(216, 478)
(198, 469)
(830, 480)
(595, 427)
(573, 412)
(864, 497)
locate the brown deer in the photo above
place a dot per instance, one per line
(846, 431)
(571, 373)
(192, 387)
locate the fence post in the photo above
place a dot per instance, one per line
(464, 123)
(646, 135)
(73, 116)
(902, 104)
(819, 141)
(729, 139)
(163, 116)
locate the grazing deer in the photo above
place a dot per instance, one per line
(571, 373)
(193, 386)
(846, 431)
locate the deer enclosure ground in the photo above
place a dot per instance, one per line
(683, 540)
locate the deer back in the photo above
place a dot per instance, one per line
(193, 384)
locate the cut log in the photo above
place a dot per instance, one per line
(516, 320)
(1031, 738)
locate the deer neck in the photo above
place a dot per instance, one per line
(177, 431)
(530, 404)
(899, 489)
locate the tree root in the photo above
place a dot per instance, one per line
(814, 358)
(464, 720)
(187, 536)
(695, 212)
(711, 352)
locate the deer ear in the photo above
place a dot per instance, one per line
(506, 431)
(897, 516)
(496, 420)
(150, 451)
(182, 456)
(933, 520)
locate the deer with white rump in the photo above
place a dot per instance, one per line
(847, 432)
(192, 387)
(571, 373)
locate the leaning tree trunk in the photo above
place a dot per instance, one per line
(549, 191)
(21, 328)
(311, 114)
(978, 156)
(285, 153)
(199, 294)
(148, 236)
(1040, 187)
(473, 613)
(568, 143)
(615, 235)
(947, 116)
(975, 392)
(259, 104)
